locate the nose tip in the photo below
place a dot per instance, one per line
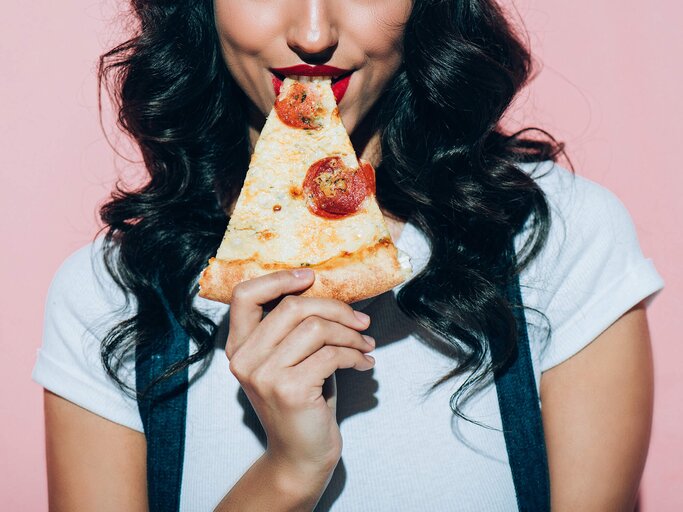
(313, 36)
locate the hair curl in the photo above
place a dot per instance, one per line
(446, 164)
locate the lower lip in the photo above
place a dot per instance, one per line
(338, 88)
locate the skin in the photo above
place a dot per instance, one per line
(597, 406)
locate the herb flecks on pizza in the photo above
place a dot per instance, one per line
(307, 201)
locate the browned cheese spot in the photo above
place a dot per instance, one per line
(296, 192)
(265, 235)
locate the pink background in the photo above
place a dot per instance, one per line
(609, 87)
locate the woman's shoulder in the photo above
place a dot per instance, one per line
(83, 304)
(591, 269)
(584, 215)
(571, 196)
(83, 283)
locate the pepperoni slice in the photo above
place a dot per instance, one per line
(369, 175)
(334, 190)
(301, 107)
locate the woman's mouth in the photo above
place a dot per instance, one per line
(340, 77)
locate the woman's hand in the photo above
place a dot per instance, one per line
(283, 360)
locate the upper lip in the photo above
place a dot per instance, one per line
(306, 70)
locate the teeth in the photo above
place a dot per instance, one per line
(308, 79)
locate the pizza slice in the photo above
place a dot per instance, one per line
(307, 201)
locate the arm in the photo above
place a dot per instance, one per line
(597, 415)
(92, 463)
(286, 490)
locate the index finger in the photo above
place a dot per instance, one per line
(248, 298)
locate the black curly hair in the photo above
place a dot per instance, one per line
(446, 164)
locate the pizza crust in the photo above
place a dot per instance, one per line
(348, 278)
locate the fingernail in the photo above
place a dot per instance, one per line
(362, 316)
(369, 340)
(303, 273)
(370, 359)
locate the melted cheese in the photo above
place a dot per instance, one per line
(271, 221)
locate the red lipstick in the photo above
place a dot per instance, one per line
(340, 77)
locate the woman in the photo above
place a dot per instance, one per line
(431, 80)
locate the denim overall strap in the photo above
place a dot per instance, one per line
(521, 416)
(163, 412)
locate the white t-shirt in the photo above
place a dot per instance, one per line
(403, 449)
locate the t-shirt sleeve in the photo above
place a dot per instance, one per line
(591, 270)
(83, 303)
